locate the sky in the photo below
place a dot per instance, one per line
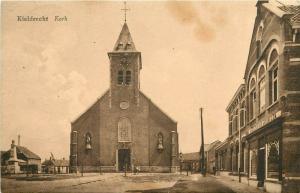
(194, 55)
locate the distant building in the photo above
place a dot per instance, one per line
(55, 166)
(193, 159)
(263, 144)
(211, 156)
(19, 159)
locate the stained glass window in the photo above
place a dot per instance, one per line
(124, 130)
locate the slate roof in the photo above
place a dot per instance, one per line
(191, 156)
(124, 42)
(27, 152)
(21, 150)
(194, 155)
(281, 8)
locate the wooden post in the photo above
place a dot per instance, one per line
(203, 168)
(27, 168)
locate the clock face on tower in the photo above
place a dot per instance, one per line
(124, 105)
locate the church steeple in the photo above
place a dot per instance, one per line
(125, 66)
(124, 42)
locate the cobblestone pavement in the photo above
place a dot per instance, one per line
(116, 182)
(210, 184)
(108, 182)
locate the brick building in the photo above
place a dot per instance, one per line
(124, 128)
(193, 160)
(264, 113)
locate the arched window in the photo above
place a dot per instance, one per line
(230, 125)
(124, 77)
(262, 88)
(160, 141)
(273, 76)
(242, 115)
(235, 121)
(124, 130)
(252, 103)
(120, 77)
(128, 77)
(88, 141)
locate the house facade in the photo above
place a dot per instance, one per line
(263, 142)
(55, 166)
(19, 159)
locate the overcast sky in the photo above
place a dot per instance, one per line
(194, 55)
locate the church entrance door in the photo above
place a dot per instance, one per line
(124, 159)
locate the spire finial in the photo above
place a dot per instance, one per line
(125, 9)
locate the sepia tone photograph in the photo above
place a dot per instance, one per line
(150, 96)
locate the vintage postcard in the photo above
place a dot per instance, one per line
(150, 96)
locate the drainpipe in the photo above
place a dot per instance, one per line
(239, 153)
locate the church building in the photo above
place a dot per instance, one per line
(124, 128)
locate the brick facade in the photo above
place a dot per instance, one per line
(124, 126)
(264, 114)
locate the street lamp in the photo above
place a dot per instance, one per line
(181, 161)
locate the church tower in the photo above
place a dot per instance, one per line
(124, 127)
(125, 66)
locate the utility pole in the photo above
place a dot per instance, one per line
(203, 168)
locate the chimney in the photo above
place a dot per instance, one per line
(19, 140)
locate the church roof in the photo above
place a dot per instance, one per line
(124, 42)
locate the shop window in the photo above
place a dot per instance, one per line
(273, 159)
(253, 162)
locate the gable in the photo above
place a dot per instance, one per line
(266, 28)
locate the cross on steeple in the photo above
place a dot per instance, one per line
(125, 9)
